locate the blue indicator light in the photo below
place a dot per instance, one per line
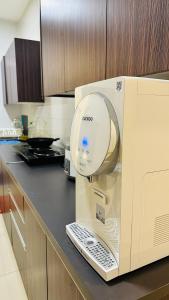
(85, 142)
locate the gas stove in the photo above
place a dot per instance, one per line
(40, 156)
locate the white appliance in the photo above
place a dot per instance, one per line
(68, 164)
(120, 150)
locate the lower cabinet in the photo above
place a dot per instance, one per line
(19, 249)
(43, 272)
(6, 199)
(60, 284)
(36, 257)
(1, 190)
(29, 246)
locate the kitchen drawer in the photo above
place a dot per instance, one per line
(19, 248)
(17, 196)
(16, 212)
(7, 220)
(6, 214)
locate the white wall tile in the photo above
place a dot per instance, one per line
(53, 118)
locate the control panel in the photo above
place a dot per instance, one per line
(94, 135)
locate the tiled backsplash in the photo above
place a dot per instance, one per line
(53, 118)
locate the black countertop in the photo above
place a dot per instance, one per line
(53, 196)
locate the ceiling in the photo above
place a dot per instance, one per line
(12, 10)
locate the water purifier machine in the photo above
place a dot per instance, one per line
(120, 150)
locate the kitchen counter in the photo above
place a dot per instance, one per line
(53, 198)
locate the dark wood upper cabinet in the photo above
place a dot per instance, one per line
(91, 40)
(3, 77)
(85, 42)
(52, 46)
(137, 37)
(23, 72)
(73, 41)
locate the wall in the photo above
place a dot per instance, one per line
(7, 33)
(56, 113)
(29, 25)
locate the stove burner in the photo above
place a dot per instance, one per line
(40, 155)
(44, 152)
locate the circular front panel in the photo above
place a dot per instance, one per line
(94, 135)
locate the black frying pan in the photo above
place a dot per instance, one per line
(40, 142)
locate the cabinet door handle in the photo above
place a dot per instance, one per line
(16, 206)
(18, 231)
